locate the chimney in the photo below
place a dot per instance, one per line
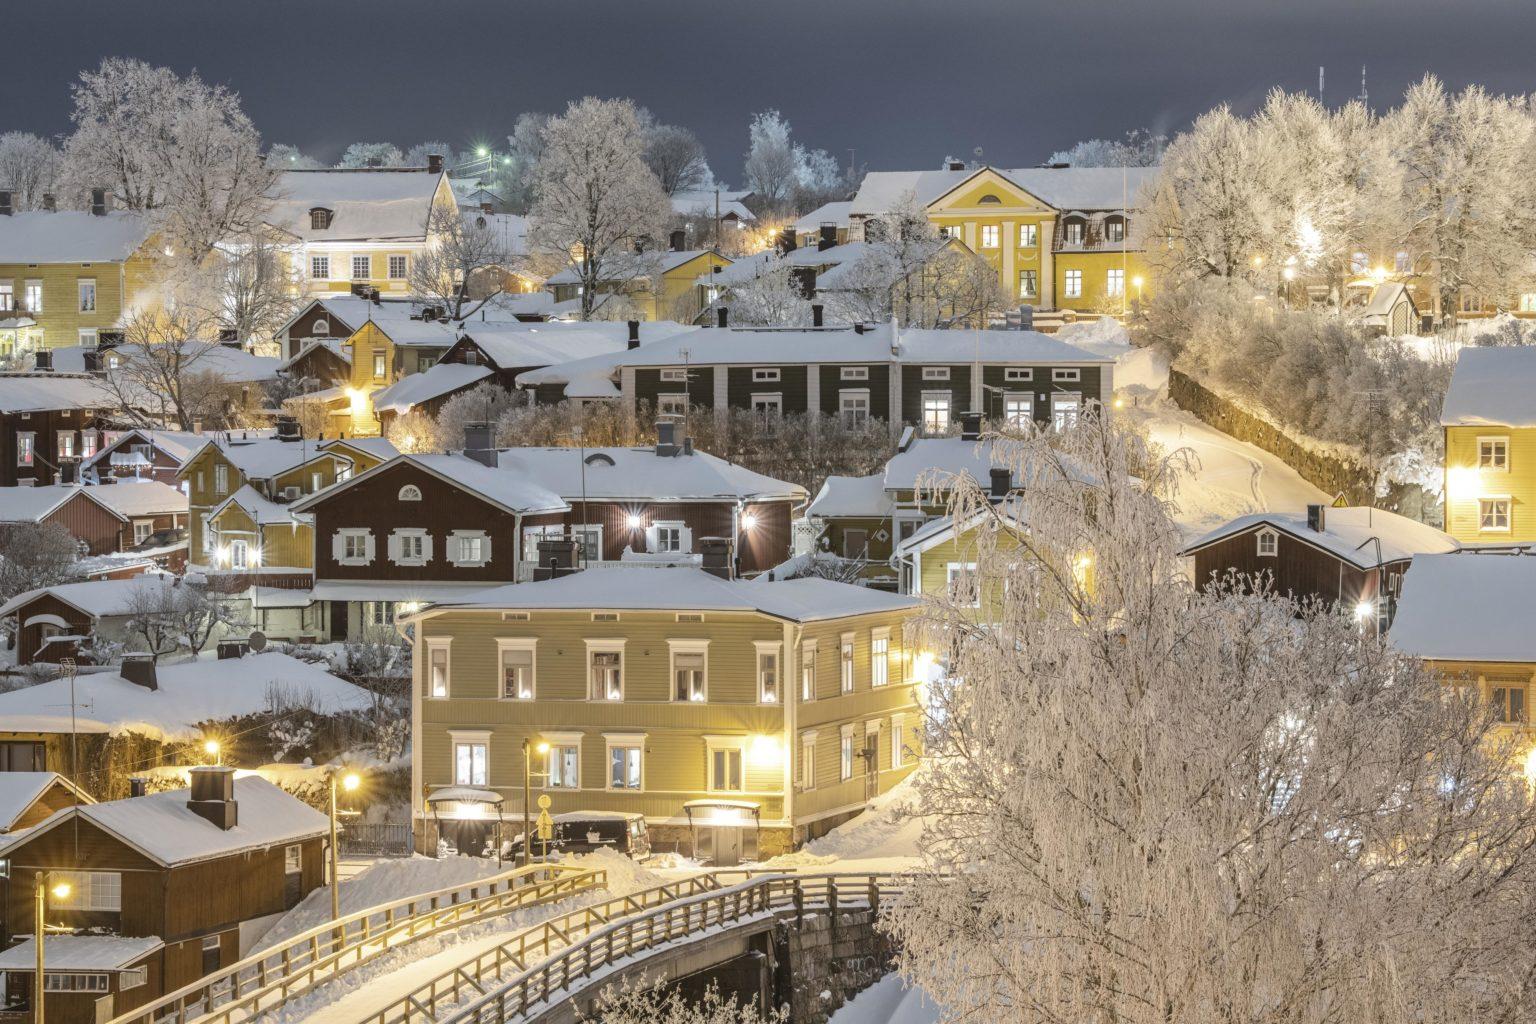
(98, 202)
(43, 359)
(951, 164)
(435, 163)
(805, 281)
(818, 311)
(7, 203)
(373, 296)
(787, 241)
(92, 360)
(634, 333)
(138, 785)
(1317, 518)
(49, 202)
(687, 446)
(722, 314)
(677, 241)
(970, 426)
(858, 328)
(139, 669)
(716, 557)
(487, 207)
(288, 428)
(213, 795)
(1002, 482)
(477, 443)
(556, 558)
(828, 237)
(666, 438)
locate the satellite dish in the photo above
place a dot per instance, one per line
(257, 641)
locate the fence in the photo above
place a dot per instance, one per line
(267, 980)
(387, 838)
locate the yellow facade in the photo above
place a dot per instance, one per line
(112, 290)
(1510, 686)
(1490, 498)
(341, 261)
(210, 478)
(681, 297)
(288, 544)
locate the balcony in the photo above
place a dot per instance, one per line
(671, 560)
(1091, 233)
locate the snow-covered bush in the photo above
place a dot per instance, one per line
(636, 1004)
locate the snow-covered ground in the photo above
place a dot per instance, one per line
(881, 839)
(887, 1001)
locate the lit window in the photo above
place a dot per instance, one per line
(1074, 284)
(564, 766)
(808, 671)
(239, 554)
(471, 764)
(87, 288)
(880, 657)
(1509, 699)
(606, 674)
(625, 765)
(845, 664)
(808, 760)
(688, 672)
(1114, 283)
(1064, 410)
(378, 366)
(989, 236)
(362, 268)
(517, 669)
(1028, 236)
(845, 755)
(33, 296)
(768, 674)
(1019, 408)
(1072, 233)
(93, 890)
(66, 439)
(725, 770)
(437, 667)
(898, 741)
(1493, 514)
(320, 268)
(936, 411)
(1493, 453)
(7, 296)
(25, 453)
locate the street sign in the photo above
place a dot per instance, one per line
(545, 825)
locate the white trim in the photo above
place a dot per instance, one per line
(518, 643)
(676, 647)
(1502, 439)
(776, 648)
(605, 646)
(432, 644)
(625, 741)
(1268, 533)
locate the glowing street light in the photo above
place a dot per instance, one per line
(528, 751)
(41, 891)
(349, 782)
(211, 748)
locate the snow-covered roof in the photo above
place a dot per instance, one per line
(749, 268)
(930, 460)
(418, 333)
(1467, 607)
(802, 600)
(44, 391)
(96, 598)
(640, 265)
(130, 497)
(510, 229)
(229, 362)
(1385, 296)
(515, 345)
(79, 953)
(1348, 533)
(434, 382)
(1064, 188)
(30, 504)
(262, 510)
(938, 530)
(162, 827)
(513, 492)
(19, 791)
(1493, 386)
(826, 213)
(71, 236)
(261, 458)
(176, 444)
(394, 591)
(641, 474)
(190, 693)
(702, 204)
(352, 311)
(380, 448)
(861, 496)
(367, 204)
(331, 345)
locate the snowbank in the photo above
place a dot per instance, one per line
(1105, 337)
(886, 833)
(624, 875)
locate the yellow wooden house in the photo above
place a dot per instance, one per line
(739, 719)
(656, 285)
(1489, 421)
(1061, 238)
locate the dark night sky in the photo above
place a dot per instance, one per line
(902, 81)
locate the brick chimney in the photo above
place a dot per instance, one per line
(970, 426)
(634, 333)
(715, 557)
(435, 163)
(477, 443)
(213, 795)
(139, 669)
(98, 202)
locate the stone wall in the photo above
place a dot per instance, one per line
(827, 958)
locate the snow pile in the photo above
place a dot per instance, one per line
(624, 875)
(888, 1001)
(1104, 337)
(887, 832)
(1141, 369)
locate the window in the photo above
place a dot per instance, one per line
(1114, 283)
(1029, 236)
(87, 289)
(853, 407)
(589, 541)
(855, 373)
(1014, 374)
(845, 754)
(517, 668)
(1074, 284)
(7, 296)
(767, 672)
(378, 366)
(808, 670)
(397, 268)
(625, 768)
(725, 770)
(132, 978)
(353, 547)
(93, 890)
(319, 219)
(936, 411)
(1509, 699)
(66, 443)
(1072, 234)
(1269, 543)
(771, 404)
(672, 406)
(935, 373)
(142, 528)
(437, 665)
(320, 268)
(221, 479)
(410, 547)
(1064, 410)
(321, 328)
(1019, 408)
(378, 613)
(471, 762)
(563, 765)
(74, 981)
(898, 741)
(33, 296)
(1029, 284)
(989, 236)
(765, 376)
(293, 860)
(213, 953)
(690, 660)
(674, 375)
(88, 443)
(962, 583)
(879, 657)
(669, 538)
(24, 448)
(808, 760)
(845, 664)
(410, 492)
(362, 268)
(1114, 230)
(23, 756)
(1066, 374)
(1493, 453)
(469, 548)
(1493, 514)
(605, 671)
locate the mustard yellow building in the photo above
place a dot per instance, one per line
(1061, 238)
(68, 275)
(738, 718)
(1489, 419)
(660, 285)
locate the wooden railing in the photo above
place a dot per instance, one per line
(607, 944)
(266, 980)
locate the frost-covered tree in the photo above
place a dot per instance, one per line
(416, 432)
(676, 156)
(283, 157)
(258, 285)
(464, 260)
(634, 1003)
(372, 154)
(819, 179)
(513, 180)
(164, 620)
(772, 167)
(35, 555)
(1148, 804)
(771, 299)
(1139, 148)
(486, 402)
(595, 201)
(419, 154)
(29, 166)
(178, 149)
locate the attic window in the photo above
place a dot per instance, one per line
(319, 218)
(599, 459)
(1269, 544)
(322, 327)
(410, 492)
(989, 199)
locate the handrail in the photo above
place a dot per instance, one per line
(448, 987)
(333, 948)
(613, 942)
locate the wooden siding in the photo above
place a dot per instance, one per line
(700, 385)
(1040, 386)
(878, 385)
(1297, 569)
(1466, 483)
(913, 386)
(30, 638)
(791, 385)
(45, 427)
(764, 546)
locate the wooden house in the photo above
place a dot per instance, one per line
(27, 798)
(49, 422)
(65, 621)
(656, 285)
(105, 518)
(1489, 421)
(142, 454)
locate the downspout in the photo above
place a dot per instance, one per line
(791, 708)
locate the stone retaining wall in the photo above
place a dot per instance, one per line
(828, 958)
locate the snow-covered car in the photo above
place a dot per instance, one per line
(586, 831)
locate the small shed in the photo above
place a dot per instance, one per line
(1391, 310)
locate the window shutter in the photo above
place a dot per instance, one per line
(485, 550)
(372, 549)
(451, 548)
(338, 546)
(426, 548)
(650, 538)
(394, 547)
(687, 539)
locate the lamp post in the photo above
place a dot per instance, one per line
(40, 900)
(528, 749)
(349, 782)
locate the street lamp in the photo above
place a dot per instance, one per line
(528, 749)
(60, 891)
(349, 782)
(211, 748)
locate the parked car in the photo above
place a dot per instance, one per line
(586, 831)
(162, 539)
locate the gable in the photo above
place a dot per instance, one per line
(57, 842)
(700, 264)
(968, 196)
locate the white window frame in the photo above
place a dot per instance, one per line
(623, 741)
(953, 572)
(683, 543)
(879, 656)
(1019, 407)
(1488, 511)
(846, 652)
(689, 647)
(605, 646)
(7, 296)
(26, 448)
(85, 289)
(220, 479)
(727, 745)
(32, 295)
(808, 680)
(1493, 454)
(765, 402)
(845, 753)
(775, 650)
(457, 539)
(143, 529)
(932, 424)
(520, 645)
(418, 537)
(403, 262)
(319, 267)
(807, 765)
(75, 981)
(345, 536)
(380, 366)
(1029, 283)
(990, 236)
(935, 373)
(470, 738)
(853, 406)
(854, 373)
(1066, 375)
(1066, 409)
(673, 405)
(293, 859)
(93, 891)
(559, 742)
(432, 687)
(64, 441)
(366, 262)
(1114, 282)
(766, 375)
(1267, 543)
(1029, 236)
(898, 741)
(674, 375)
(410, 492)
(1072, 284)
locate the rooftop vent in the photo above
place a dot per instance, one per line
(98, 202)
(716, 557)
(139, 669)
(1317, 518)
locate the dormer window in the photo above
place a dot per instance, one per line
(1114, 229)
(410, 492)
(319, 218)
(322, 328)
(1269, 543)
(1073, 232)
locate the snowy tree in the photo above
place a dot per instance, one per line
(819, 179)
(1139, 148)
(596, 203)
(486, 402)
(772, 166)
(178, 149)
(29, 166)
(634, 1003)
(464, 260)
(283, 157)
(416, 432)
(676, 156)
(771, 299)
(35, 555)
(419, 155)
(258, 283)
(372, 154)
(1148, 804)
(184, 617)
(513, 180)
